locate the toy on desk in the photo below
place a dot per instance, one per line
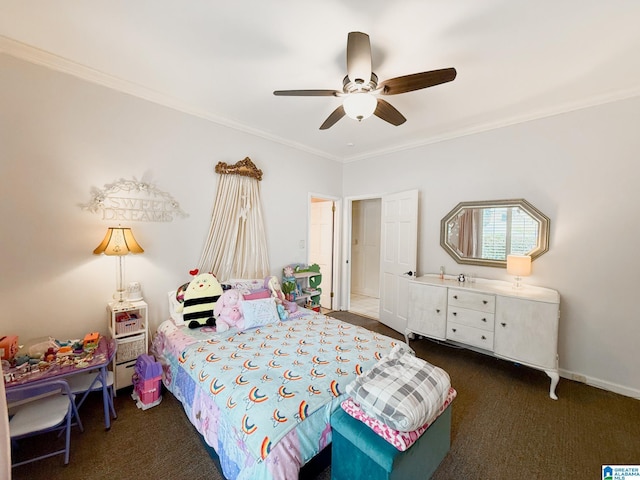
(91, 340)
(8, 347)
(37, 347)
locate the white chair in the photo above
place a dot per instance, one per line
(39, 408)
(85, 383)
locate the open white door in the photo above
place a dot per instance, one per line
(398, 256)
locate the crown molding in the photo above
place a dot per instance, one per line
(595, 101)
(43, 58)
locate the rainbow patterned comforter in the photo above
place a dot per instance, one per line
(263, 398)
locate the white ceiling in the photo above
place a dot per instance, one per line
(516, 60)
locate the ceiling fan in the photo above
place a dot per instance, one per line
(360, 87)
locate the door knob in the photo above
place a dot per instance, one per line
(410, 273)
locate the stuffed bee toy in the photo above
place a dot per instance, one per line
(200, 300)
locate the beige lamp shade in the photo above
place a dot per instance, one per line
(118, 241)
(519, 265)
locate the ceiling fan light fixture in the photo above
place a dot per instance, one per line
(359, 105)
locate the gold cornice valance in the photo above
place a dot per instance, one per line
(244, 167)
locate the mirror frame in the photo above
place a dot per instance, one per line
(541, 218)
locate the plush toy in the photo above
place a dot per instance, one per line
(200, 300)
(227, 311)
(282, 313)
(273, 284)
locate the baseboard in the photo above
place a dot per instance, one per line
(602, 384)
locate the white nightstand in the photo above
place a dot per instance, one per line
(129, 325)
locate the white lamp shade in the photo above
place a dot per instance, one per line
(360, 105)
(519, 265)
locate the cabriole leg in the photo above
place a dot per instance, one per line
(555, 378)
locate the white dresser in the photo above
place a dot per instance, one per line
(491, 317)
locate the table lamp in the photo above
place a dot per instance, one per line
(119, 241)
(520, 266)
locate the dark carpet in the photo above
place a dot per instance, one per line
(504, 426)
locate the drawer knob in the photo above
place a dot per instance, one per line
(484, 320)
(454, 330)
(483, 337)
(455, 296)
(455, 314)
(437, 310)
(503, 324)
(485, 302)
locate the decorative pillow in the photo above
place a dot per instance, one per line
(256, 294)
(174, 306)
(259, 312)
(245, 286)
(401, 390)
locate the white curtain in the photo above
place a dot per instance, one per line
(469, 227)
(236, 246)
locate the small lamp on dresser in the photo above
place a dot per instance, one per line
(520, 266)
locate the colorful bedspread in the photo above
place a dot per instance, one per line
(263, 398)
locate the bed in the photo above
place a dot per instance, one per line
(262, 398)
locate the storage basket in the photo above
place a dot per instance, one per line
(131, 348)
(128, 326)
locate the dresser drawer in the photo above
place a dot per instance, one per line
(471, 318)
(475, 301)
(470, 335)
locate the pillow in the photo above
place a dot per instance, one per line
(259, 312)
(174, 305)
(401, 390)
(262, 293)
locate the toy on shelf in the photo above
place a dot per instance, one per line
(303, 284)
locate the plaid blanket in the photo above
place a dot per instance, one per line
(401, 390)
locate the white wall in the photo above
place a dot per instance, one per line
(581, 170)
(60, 136)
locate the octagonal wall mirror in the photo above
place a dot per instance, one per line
(484, 233)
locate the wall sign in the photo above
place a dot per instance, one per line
(133, 201)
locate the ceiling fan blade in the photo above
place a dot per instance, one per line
(307, 93)
(358, 57)
(388, 113)
(331, 120)
(417, 81)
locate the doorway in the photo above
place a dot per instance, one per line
(364, 296)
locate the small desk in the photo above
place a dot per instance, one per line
(97, 360)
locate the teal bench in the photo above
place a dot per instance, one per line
(358, 453)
